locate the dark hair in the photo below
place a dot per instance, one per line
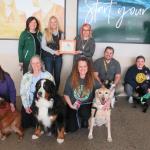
(28, 22)
(109, 47)
(140, 57)
(2, 74)
(89, 78)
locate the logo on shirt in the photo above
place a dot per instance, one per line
(81, 94)
(140, 77)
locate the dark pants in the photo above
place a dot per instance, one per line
(25, 67)
(53, 64)
(28, 120)
(75, 118)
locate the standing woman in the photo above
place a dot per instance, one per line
(29, 43)
(79, 94)
(85, 44)
(50, 46)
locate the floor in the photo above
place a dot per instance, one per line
(130, 131)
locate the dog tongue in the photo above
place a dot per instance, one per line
(103, 101)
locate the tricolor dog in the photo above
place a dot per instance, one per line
(101, 112)
(49, 110)
(110, 85)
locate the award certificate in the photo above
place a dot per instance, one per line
(67, 46)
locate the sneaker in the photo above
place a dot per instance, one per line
(49, 134)
(130, 100)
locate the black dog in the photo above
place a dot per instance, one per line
(49, 110)
(140, 92)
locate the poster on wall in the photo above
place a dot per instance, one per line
(14, 13)
(118, 21)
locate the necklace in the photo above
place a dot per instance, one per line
(83, 43)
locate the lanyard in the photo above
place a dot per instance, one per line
(106, 67)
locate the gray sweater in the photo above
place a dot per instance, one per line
(86, 46)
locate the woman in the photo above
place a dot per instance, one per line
(79, 94)
(7, 89)
(85, 44)
(50, 45)
(29, 43)
(137, 79)
(27, 89)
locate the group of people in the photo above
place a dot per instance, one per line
(86, 75)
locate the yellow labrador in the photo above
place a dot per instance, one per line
(101, 112)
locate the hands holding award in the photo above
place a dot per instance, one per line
(68, 47)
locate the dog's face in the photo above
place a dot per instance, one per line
(45, 89)
(102, 95)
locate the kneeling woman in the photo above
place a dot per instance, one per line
(79, 93)
(27, 89)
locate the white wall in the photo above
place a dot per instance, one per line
(124, 53)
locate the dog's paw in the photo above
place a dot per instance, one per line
(34, 137)
(90, 137)
(109, 139)
(3, 138)
(60, 141)
(113, 102)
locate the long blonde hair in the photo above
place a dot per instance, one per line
(48, 31)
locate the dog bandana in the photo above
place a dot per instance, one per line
(145, 97)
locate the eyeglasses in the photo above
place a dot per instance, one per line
(86, 30)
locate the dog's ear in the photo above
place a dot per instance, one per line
(37, 87)
(97, 93)
(51, 89)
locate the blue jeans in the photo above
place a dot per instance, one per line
(128, 89)
(53, 64)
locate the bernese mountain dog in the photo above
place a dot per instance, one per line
(49, 110)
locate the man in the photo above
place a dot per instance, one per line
(107, 69)
(137, 79)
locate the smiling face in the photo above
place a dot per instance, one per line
(82, 68)
(36, 64)
(53, 24)
(108, 54)
(102, 95)
(86, 31)
(140, 63)
(32, 25)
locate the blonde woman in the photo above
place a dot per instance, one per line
(50, 45)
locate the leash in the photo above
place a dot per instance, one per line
(95, 111)
(77, 116)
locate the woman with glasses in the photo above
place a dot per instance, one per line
(85, 44)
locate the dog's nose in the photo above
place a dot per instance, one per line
(39, 93)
